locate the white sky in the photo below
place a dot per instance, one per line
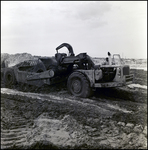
(95, 27)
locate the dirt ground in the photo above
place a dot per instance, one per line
(51, 118)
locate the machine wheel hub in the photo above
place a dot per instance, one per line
(76, 86)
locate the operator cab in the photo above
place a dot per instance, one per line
(117, 60)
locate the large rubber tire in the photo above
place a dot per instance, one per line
(9, 78)
(78, 85)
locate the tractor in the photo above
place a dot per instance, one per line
(80, 72)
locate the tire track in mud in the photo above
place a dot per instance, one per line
(110, 99)
(106, 105)
(94, 103)
(13, 138)
(89, 112)
(13, 125)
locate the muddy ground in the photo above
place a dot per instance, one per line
(50, 117)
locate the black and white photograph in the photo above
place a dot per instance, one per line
(73, 75)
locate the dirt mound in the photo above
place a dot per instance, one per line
(4, 56)
(11, 60)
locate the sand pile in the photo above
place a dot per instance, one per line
(13, 59)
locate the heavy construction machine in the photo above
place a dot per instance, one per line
(80, 72)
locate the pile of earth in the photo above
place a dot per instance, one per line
(13, 59)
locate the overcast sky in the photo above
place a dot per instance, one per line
(95, 27)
